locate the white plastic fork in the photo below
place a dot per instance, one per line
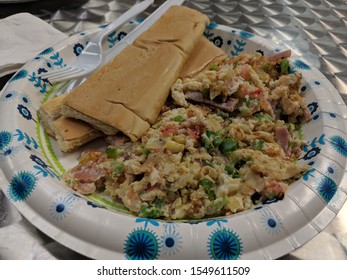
(73, 83)
(91, 57)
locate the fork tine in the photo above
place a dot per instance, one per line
(71, 71)
(55, 72)
(71, 77)
(60, 74)
(68, 75)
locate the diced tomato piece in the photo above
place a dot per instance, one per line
(193, 134)
(256, 93)
(169, 129)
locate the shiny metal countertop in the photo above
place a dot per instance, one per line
(313, 29)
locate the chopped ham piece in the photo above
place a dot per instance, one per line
(86, 188)
(89, 174)
(280, 55)
(282, 136)
(117, 139)
(229, 105)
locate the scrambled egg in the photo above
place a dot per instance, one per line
(227, 140)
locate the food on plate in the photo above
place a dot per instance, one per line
(247, 84)
(227, 139)
(112, 99)
(70, 133)
(204, 52)
(50, 111)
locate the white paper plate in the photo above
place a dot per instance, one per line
(31, 163)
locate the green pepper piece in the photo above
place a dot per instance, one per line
(111, 153)
(244, 110)
(118, 168)
(284, 63)
(178, 118)
(266, 67)
(231, 170)
(150, 212)
(228, 145)
(146, 151)
(220, 202)
(216, 137)
(209, 188)
(213, 66)
(211, 140)
(258, 144)
(261, 116)
(298, 127)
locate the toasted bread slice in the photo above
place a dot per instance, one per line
(128, 93)
(70, 133)
(204, 54)
(49, 112)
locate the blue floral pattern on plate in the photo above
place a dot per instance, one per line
(32, 165)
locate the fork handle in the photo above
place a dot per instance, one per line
(122, 19)
(149, 21)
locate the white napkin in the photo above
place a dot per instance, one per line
(22, 37)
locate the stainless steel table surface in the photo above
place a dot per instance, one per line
(314, 29)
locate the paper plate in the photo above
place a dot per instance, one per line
(32, 163)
